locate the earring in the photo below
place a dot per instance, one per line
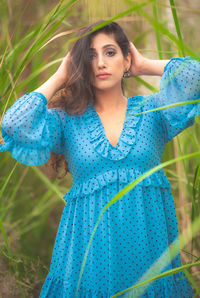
(126, 74)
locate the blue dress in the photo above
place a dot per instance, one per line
(133, 232)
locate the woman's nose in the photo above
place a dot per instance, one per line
(100, 61)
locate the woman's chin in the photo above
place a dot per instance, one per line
(106, 86)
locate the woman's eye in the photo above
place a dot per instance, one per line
(92, 56)
(110, 53)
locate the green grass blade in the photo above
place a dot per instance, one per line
(161, 28)
(7, 180)
(48, 183)
(178, 30)
(39, 39)
(118, 16)
(158, 40)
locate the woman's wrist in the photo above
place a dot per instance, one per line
(152, 67)
(51, 86)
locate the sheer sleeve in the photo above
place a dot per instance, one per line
(179, 83)
(31, 131)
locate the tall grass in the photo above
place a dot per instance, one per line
(31, 200)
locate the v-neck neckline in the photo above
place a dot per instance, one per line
(123, 128)
(128, 135)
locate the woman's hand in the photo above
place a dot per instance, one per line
(56, 81)
(145, 66)
(61, 72)
(137, 61)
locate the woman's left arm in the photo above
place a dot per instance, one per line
(151, 67)
(180, 84)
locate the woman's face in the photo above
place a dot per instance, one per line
(108, 62)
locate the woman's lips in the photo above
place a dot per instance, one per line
(103, 76)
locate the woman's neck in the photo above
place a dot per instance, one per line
(109, 100)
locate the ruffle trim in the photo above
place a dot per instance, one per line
(128, 135)
(164, 287)
(123, 175)
(25, 155)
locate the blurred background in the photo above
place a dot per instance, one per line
(35, 36)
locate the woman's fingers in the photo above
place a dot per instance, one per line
(136, 60)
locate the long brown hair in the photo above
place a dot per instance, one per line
(78, 91)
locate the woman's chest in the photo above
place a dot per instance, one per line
(112, 124)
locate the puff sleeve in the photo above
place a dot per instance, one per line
(31, 131)
(179, 83)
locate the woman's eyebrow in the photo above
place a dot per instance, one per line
(105, 46)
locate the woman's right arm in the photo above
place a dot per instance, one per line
(50, 87)
(55, 82)
(30, 130)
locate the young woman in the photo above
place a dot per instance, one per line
(107, 148)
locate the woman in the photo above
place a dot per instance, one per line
(107, 148)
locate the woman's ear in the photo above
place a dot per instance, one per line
(127, 61)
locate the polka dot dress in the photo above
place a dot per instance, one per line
(138, 228)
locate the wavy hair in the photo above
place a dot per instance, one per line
(77, 91)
